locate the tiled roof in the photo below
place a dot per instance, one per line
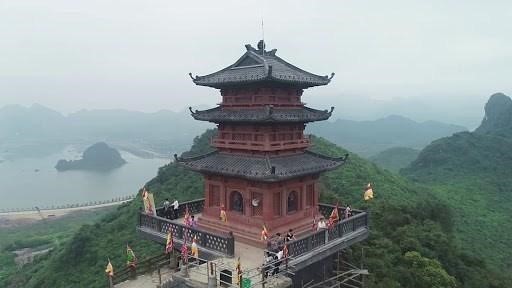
(259, 65)
(262, 114)
(262, 168)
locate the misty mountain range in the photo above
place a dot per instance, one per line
(166, 132)
(161, 132)
(368, 138)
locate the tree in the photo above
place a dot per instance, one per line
(426, 273)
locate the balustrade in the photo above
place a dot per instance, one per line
(225, 243)
(219, 243)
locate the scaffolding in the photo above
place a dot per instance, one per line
(346, 275)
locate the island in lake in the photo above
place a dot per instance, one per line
(98, 157)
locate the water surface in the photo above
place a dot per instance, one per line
(33, 181)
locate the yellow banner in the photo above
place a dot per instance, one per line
(149, 204)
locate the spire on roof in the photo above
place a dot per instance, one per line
(261, 45)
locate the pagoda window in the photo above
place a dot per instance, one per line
(257, 204)
(236, 202)
(292, 203)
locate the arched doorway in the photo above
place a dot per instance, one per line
(292, 203)
(236, 201)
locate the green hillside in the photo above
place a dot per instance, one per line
(410, 245)
(472, 173)
(395, 158)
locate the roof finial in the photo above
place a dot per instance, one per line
(262, 38)
(261, 46)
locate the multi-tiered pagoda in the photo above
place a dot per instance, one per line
(261, 172)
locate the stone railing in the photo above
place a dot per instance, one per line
(322, 237)
(224, 244)
(194, 207)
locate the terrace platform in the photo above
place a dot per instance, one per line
(223, 249)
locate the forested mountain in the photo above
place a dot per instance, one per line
(395, 158)
(98, 157)
(498, 116)
(411, 243)
(472, 172)
(368, 138)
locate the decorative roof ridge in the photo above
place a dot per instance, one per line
(266, 60)
(304, 71)
(261, 54)
(251, 52)
(185, 159)
(323, 156)
(268, 107)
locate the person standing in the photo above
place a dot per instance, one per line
(348, 212)
(267, 264)
(193, 222)
(322, 224)
(278, 257)
(175, 206)
(167, 208)
(290, 236)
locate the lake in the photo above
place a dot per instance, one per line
(33, 181)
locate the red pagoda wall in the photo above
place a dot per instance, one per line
(254, 137)
(276, 207)
(250, 97)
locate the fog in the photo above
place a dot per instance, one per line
(422, 59)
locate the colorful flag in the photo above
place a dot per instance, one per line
(238, 269)
(186, 218)
(264, 233)
(170, 243)
(184, 253)
(368, 193)
(334, 214)
(223, 216)
(149, 202)
(131, 260)
(110, 269)
(194, 249)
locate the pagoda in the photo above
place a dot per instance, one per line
(261, 171)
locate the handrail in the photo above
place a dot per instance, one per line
(309, 242)
(225, 244)
(143, 266)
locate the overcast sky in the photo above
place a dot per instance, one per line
(423, 59)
